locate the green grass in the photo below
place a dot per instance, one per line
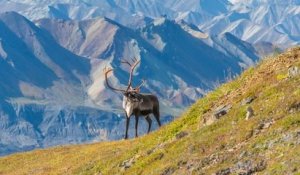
(206, 149)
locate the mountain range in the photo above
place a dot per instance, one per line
(52, 81)
(53, 52)
(253, 21)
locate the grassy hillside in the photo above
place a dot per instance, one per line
(198, 142)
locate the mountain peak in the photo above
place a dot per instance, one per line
(13, 16)
(17, 22)
(159, 21)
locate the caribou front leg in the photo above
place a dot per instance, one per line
(136, 125)
(127, 124)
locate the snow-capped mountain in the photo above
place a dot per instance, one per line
(252, 20)
(52, 84)
(260, 21)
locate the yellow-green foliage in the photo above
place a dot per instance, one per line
(282, 76)
(271, 135)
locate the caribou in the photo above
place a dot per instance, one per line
(134, 102)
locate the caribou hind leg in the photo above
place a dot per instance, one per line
(149, 123)
(156, 115)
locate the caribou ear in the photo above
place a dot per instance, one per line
(138, 90)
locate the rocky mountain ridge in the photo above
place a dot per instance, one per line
(254, 21)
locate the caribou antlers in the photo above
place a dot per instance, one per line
(132, 65)
(106, 72)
